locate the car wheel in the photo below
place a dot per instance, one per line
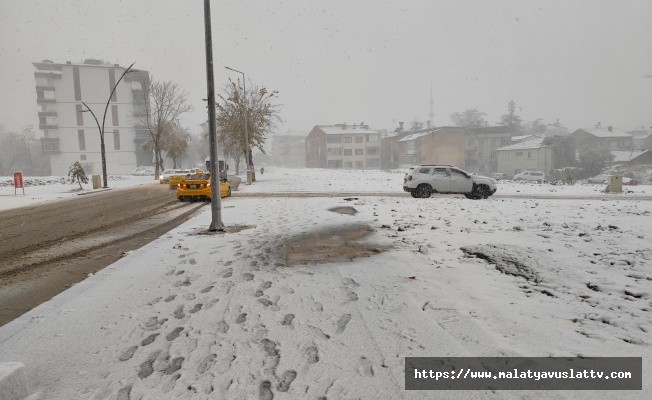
(424, 191)
(468, 196)
(414, 193)
(484, 192)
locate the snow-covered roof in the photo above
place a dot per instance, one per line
(347, 130)
(414, 136)
(521, 138)
(624, 156)
(606, 133)
(534, 143)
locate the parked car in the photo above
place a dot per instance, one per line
(532, 176)
(198, 187)
(499, 175)
(143, 171)
(424, 180)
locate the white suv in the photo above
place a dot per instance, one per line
(424, 180)
(533, 176)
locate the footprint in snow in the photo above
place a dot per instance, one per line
(178, 313)
(265, 391)
(222, 326)
(207, 289)
(341, 323)
(286, 380)
(170, 298)
(312, 354)
(242, 318)
(211, 303)
(287, 320)
(174, 334)
(127, 354)
(196, 308)
(247, 276)
(149, 339)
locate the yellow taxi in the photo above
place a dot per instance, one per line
(178, 176)
(198, 187)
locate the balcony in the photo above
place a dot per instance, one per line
(44, 127)
(45, 101)
(50, 145)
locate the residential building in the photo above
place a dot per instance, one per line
(602, 138)
(289, 151)
(481, 145)
(529, 155)
(70, 133)
(634, 157)
(343, 146)
(641, 139)
(443, 145)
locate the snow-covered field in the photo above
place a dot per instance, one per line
(284, 307)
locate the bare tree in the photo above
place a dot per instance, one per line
(262, 116)
(167, 102)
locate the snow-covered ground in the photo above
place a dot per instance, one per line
(283, 307)
(52, 188)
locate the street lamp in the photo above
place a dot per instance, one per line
(247, 151)
(101, 129)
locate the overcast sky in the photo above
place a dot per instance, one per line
(369, 61)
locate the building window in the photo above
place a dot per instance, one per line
(333, 139)
(504, 142)
(505, 156)
(492, 156)
(359, 164)
(519, 153)
(40, 95)
(480, 156)
(372, 138)
(359, 152)
(114, 95)
(116, 139)
(335, 151)
(410, 148)
(334, 164)
(77, 83)
(517, 171)
(114, 114)
(372, 151)
(359, 139)
(374, 162)
(347, 139)
(348, 152)
(532, 155)
(82, 157)
(80, 115)
(493, 142)
(348, 164)
(82, 139)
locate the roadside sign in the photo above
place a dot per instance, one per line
(18, 182)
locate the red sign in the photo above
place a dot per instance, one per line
(18, 182)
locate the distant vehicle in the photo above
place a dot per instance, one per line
(178, 176)
(198, 187)
(424, 180)
(532, 176)
(143, 171)
(602, 179)
(499, 175)
(165, 175)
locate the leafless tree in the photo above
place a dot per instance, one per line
(167, 102)
(262, 116)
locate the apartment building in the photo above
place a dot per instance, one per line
(71, 133)
(481, 145)
(343, 146)
(289, 150)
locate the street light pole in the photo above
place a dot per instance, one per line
(247, 151)
(101, 129)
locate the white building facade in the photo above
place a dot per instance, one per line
(70, 133)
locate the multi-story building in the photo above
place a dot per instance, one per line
(70, 133)
(343, 146)
(289, 150)
(526, 155)
(481, 145)
(443, 145)
(602, 138)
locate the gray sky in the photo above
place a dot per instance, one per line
(357, 60)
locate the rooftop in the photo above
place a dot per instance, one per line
(606, 132)
(534, 143)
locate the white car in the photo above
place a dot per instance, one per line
(532, 176)
(143, 171)
(424, 180)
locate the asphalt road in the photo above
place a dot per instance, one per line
(44, 249)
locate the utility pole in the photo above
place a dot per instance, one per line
(216, 203)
